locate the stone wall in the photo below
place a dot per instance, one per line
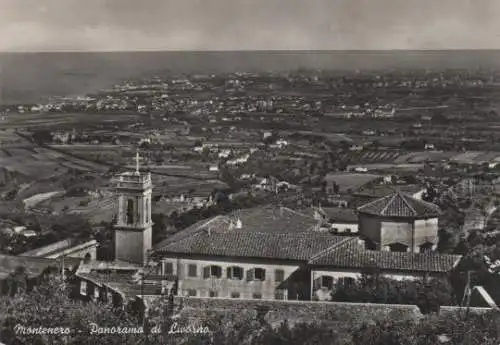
(275, 312)
(450, 311)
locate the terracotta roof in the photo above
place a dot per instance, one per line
(400, 205)
(265, 219)
(352, 255)
(104, 278)
(126, 284)
(292, 246)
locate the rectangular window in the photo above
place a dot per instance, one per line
(130, 211)
(257, 295)
(192, 293)
(235, 295)
(169, 268)
(213, 294)
(192, 270)
(280, 295)
(279, 275)
(327, 282)
(83, 288)
(212, 271)
(260, 274)
(346, 282)
(235, 273)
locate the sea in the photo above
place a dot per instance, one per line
(34, 77)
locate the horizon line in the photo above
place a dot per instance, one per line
(246, 50)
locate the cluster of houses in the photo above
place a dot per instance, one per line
(265, 253)
(273, 252)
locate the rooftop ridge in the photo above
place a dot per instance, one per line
(287, 234)
(407, 207)
(374, 201)
(333, 247)
(403, 197)
(393, 196)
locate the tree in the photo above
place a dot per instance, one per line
(42, 136)
(49, 306)
(300, 334)
(427, 294)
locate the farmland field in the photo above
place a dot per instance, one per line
(94, 209)
(63, 121)
(347, 181)
(374, 156)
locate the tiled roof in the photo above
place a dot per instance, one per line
(266, 219)
(133, 290)
(126, 284)
(400, 205)
(104, 278)
(340, 214)
(292, 246)
(116, 265)
(351, 255)
(217, 222)
(33, 266)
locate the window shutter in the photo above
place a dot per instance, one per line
(218, 271)
(279, 275)
(239, 273)
(250, 274)
(169, 268)
(206, 272)
(262, 274)
(317, 283)
(192, 270)
(83, 288)
(228, 272)
(330, 283)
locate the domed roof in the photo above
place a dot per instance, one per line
(400, 205)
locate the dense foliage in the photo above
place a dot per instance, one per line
(458, 329)
(48, 306)
(427, 294)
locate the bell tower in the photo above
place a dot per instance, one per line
(133, 229)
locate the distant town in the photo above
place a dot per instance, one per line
(338, 196)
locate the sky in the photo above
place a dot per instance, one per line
(117, 25)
